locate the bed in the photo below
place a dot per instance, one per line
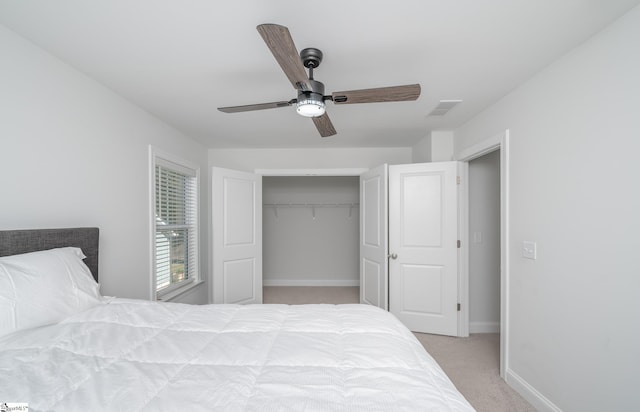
(92, 353)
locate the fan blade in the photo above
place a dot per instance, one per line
(324, 125)
(281, 44)
(251, 107)
(381, 94)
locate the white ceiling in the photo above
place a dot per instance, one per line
(181, 59)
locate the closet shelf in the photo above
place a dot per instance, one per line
(312, 206)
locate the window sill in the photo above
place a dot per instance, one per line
(168, 297)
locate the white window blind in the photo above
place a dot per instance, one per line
(176, 224)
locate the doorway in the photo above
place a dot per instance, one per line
(310, 239)
(499, 142)
(484, 243)
(237, 244)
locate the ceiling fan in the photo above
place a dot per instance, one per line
(311, 98)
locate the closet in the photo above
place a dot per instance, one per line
(393, 231)
(310, 230)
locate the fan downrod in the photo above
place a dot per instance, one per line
(311, 57)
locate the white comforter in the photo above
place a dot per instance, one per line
(137, 355)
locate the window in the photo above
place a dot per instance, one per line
(176, 225)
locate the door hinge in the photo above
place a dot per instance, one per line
(457, 179)
(459, 244)
(458, 307)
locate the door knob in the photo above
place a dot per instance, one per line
(393, 256)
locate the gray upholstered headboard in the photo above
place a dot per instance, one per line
(14, 242)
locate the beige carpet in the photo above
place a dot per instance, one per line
(472, 363)
(299, 295)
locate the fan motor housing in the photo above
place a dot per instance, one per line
(310, 96)
(311, 57)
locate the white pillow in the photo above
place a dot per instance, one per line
(44, 287)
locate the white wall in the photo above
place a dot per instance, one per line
(73, 153)
(436, 146)
(300, 250)
(574, 145)
(442, 145)
(421, 151)
(484, 244)
(251, 159)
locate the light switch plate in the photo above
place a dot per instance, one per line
(529, 250)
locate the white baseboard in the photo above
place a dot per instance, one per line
(484, 327)
(310, 282)
(535, 398)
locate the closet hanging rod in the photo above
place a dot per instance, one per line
(311, 204)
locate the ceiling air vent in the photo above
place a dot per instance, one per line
(443, 107)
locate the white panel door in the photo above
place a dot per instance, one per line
(423, 237)
(373, 237)
(237, 236)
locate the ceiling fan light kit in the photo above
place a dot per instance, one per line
(310, 107)
(311, 98)
(310, 103)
